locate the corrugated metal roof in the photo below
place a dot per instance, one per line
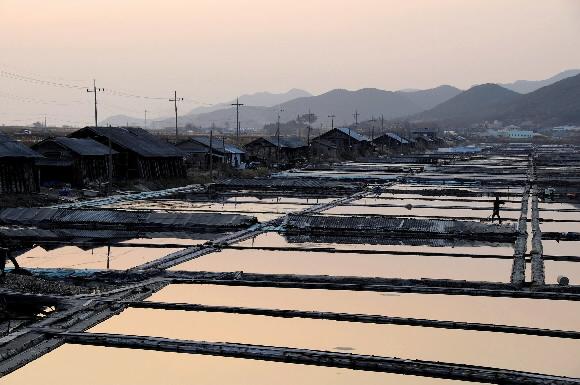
(353, 134)
(217, 145)
(134, 139)
(286, 142)
(398, 226)
(82, 146)
(295, 183)
(394, 137)
(115, 218)
(10, 148)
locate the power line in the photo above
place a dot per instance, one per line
(34, 80)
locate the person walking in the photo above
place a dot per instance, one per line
(496, 206)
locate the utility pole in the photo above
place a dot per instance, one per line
(373, 120)
(237, 104)
(309, 127)
(145, 126)
(95, 90)
(356, 115)
(332, 121)
(278, 136)
(382, 124)
(175, 100)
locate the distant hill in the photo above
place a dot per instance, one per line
(427, 99)
(122, 120)
(472, 105)
(341, 103)
(527, 86)
(556, 104)
(547, 100)
(258, 99)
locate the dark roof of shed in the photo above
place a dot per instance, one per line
(395, 137)
(217, 144)
(324, 142)
(82, 146)
(353, 134)
(10, 148)
(138, 140)
(288, 142)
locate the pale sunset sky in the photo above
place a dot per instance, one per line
(210, 51)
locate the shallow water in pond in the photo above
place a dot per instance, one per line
(507, 311)
(99, 365)
(422, 212)
(351, 264)
(278, 200)
(73, 257)
(563, 227)
(273, 239)
(561, 248)
(520, 352)
(481, 204)
(554, 269)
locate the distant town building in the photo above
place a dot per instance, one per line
(141, 154)
(515, 132)
(424, 133)
(18, 173)
(277, 149)
(198, 152)
(77, 161)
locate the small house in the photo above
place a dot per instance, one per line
(198, 152)
(277, 149)
(393, 143)
(18, 173)
(77, 161)
(347, 141)
(322, 149)
(140, 153)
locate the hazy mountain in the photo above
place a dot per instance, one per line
(474, 104)
(551, 105)
(258, 99)
(527, 86)
(342, 103)
(254, 117)
(122, 120)
(427, 99)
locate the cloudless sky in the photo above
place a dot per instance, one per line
(211, 51)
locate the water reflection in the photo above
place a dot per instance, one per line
(98, 366)
(520, 352)
(507, 311)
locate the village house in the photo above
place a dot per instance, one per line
(277, 149)
(392, 143)
(347, 141)
(198, 151)
(141, 154)
(77, 161)
(18, 173)
(322, 149)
